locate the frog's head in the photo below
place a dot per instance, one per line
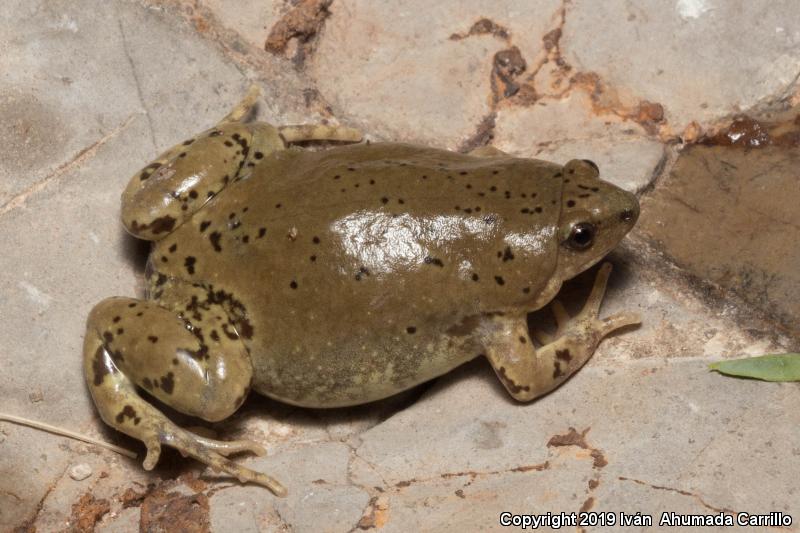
(595, 216)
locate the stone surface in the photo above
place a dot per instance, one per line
(564, 129)
(671, 53)
(741, 210)
(91, 91)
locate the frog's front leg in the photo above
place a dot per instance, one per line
(195, 364)
(528, 372)
(166, 192)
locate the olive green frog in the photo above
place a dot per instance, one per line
(341, 276)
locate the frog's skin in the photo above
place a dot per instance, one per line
(341, 276)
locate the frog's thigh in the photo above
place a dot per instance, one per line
(133, 343)
(157, 351)
(528, 372)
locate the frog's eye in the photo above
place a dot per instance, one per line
(581, 236)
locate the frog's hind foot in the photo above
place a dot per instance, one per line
(132, 343)
(208, 451)
(588, 319)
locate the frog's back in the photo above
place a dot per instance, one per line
(357, 269)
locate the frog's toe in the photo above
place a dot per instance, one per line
(542, 337)
(153, 452)
(591, 308)
(618, 321)
(561, 316)
(233, 446)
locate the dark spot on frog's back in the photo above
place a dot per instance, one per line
(434, 261)
(189, 264)
(214, 238)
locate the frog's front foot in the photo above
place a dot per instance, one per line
(528, 372)
(587, 324)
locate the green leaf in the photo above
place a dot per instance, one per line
(779, 367)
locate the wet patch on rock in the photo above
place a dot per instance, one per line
(739, 207)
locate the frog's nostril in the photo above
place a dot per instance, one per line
(627, 215)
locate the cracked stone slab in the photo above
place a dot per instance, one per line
(252, 19)
(379, 66)
(672, 53)
(316, 476)
(91, 116)
(93, 90)
(46, 305)
(741, 210)
(693, 417)
(562, 129)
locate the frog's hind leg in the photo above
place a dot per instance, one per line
(528, 372)
(194, 364)
(167, 192)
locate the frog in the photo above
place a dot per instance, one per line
(342, 275)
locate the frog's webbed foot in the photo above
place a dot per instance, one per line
(208, 451)
(131, 343)
(528, 372)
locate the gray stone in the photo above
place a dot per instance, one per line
(92, 90)
(701, 59)
(567, 128)
(408, 81)
(80, 471)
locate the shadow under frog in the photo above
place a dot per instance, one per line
(343, 276)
